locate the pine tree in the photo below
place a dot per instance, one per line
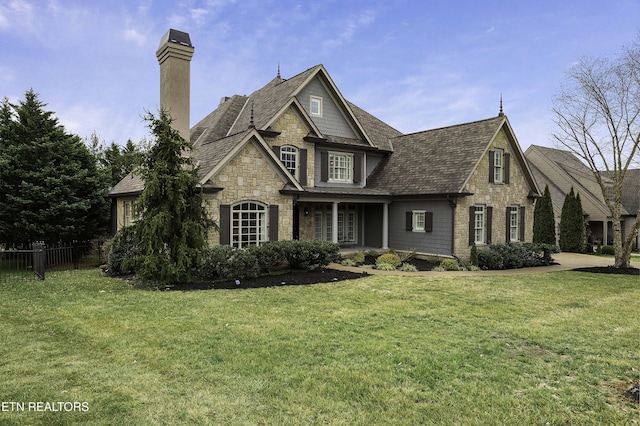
(172, 224)
(572, 229)
(51, 189)
(544, 228)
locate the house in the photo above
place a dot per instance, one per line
(561, 171)
(296, 160)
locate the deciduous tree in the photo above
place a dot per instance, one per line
(598, 119)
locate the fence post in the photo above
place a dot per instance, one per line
(74, 253)
(39, 259)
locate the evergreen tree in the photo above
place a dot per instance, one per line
(172, 224)
(51, 189)
(544, 227)
(572, 230)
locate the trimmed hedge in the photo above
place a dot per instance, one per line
(226, 262)
(513, 256)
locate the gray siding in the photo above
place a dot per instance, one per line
(332, 121)
(436, 242)
(372, 161)
(372, 225)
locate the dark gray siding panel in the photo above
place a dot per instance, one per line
(332, 121)
(438, 241)
(373, 225)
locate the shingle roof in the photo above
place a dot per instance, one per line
(631, 191)
(435, 161)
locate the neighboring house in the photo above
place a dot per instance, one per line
(296, 160)
(561, 170)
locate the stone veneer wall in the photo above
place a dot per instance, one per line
(250, 176)
(498, 196)
(292, 132)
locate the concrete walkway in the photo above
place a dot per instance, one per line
(564, 262)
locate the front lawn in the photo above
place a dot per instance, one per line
(549, 348)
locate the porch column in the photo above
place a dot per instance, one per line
(385, 226)
(605, 229)
(334, 222)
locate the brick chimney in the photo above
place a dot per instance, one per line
(174, 56)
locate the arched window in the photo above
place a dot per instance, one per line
(248, 224)
(289, 157)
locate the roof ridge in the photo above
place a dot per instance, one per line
(451, 126)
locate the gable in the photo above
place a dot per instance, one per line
(249, 172)
(331, 121)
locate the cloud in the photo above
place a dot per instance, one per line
(351, 26)
(16, 12)
(133, 35)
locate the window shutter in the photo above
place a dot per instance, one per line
(428, 222)
(507, 225)
(276, 150)
(357, 168)
(489, 220)
(491, 160)
(273, 222)
(522, 216)
(225, 224)
(472, 215)
(324, 166)
(409, 221)
(506, 167)
(303, 167)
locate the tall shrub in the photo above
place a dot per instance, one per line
(572, 232)
(172, 220)
(544, 227)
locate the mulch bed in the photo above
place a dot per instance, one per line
(609, 270)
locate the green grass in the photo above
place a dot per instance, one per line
(552, 348)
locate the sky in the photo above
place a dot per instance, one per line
(415, 64)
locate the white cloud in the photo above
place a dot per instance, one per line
(134, 36)
(16, 12)
(351, 26)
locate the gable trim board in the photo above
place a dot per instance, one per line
(437, 171)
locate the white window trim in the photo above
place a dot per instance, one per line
(498, 166)
(417, 214)
(514, 226)
(480, 228)
(294, 152)
(348, 167)
(237, 224)
(318, 100)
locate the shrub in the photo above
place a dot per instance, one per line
(389, 258)
(308, 254)
(226, 262)
(123, 252)
(489, 259)
(449, 265)
(385, 266)
(473, 258)
(608, 250)
(356, 258)
(405, 256)
(268, 255)
(349, 262)
(407, 267)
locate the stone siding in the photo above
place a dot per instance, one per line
(498, 195)
(250, 176)
(292, 132)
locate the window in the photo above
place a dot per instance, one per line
(128, 208)
(289, 157)
(498, 166)
(419, 220)
(478, 228)
(514, 224)
(340, 167)
(316, 106)
(347, 223)
(248, 224)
